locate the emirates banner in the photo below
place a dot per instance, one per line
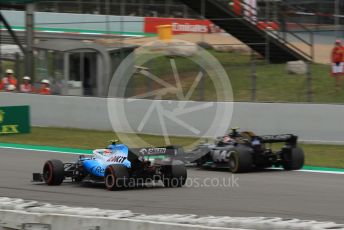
(180, 25)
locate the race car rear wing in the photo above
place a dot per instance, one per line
(289, 139)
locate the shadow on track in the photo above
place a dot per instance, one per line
(226, 170)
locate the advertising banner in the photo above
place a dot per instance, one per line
(180, 25)
(14, 119)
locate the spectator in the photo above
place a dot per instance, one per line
(133, 13)
(210, 29)
(236, 6)
(1, 85)
(282, 14)
(45, 87)
(26, 86)
(9, 83)
(337, 58)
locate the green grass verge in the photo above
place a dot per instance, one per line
(80, 138)
(324, 155)
(316, 155)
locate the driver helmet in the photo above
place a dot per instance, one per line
(107, 152)
(111, 147)
(234, 132)
(227, 139)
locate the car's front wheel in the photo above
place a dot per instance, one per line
(53, 172)
(240, 160)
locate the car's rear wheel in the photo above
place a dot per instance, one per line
(293, 158)
(174, 175)
(240, 160)
(53, 172)
(116, 177)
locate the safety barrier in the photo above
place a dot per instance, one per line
(321, 123)
(47, 21)
(27, 215)
(88, 23)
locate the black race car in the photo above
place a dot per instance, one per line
(245, 151)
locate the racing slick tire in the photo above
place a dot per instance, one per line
(116, 177)
(53, 172)
(240, 160)
(174, 175)
(293, 159)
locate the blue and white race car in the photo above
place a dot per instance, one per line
(118, 167)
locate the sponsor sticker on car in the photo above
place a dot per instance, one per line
(152, 151)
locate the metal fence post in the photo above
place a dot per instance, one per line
(29, 61)
(312, 45)
(309, 83)
(79, 7)
(185, 10)
(167, 8)
(336, 18)
(253, 77)
(1, 24)
(267, 48)
(107, 12)
(203, 9)
(149, 82)
(202, 83)
(17, 65)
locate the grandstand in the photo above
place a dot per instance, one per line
(174, 8)
(267, 11)
(275, 45)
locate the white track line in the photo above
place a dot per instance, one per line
(76, 153)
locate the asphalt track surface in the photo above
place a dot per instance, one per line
(269, 193)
